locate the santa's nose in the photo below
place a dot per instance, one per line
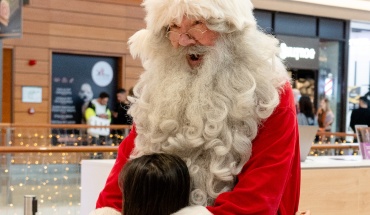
(186, 40)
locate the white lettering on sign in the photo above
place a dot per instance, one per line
(296, 52)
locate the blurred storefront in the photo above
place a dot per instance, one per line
(314, 49)
(358, 66)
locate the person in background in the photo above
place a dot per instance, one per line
(325, 116)
(154, 184)
(215, 93)
(120, 116)
(297, 96)
(306, 115)
(98, 113)
(360, 116)
(119, 113)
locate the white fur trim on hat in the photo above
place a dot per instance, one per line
(161, 13)
(105, 211)
(193, 210)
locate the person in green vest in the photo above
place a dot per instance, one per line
(98, 113)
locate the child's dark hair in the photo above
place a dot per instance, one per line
(154, 184)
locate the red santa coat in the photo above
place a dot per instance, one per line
(269, 183)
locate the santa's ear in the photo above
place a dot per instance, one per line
(139, 44)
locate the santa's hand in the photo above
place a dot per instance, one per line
(105, 211)
(193, 210)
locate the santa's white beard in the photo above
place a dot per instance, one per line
(208, 115)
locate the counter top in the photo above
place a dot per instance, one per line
(317, 162)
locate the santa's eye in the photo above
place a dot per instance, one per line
(173, 26)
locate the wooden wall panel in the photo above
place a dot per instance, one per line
(134, 72)
(107, 21)
(29, 40)
(80, 31)
(28, 53)
(24, 79)
(91, 7)
(364, 191)
(95, 27)
(339, 191)
(20, 106)
(37, 118)
(126, 2)
(89, 32)
(41, 67)
(133, 62)
(88, 45)
(7, 82)
(32, 27)
(130, 83)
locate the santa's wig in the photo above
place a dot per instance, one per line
(207, 115)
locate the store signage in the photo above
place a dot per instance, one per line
(299, 52)
(296, 53)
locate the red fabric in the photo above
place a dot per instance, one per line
(269, 183)
(111, 195)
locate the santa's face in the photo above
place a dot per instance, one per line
(191, 32)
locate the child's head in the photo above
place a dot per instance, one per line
(154, 184)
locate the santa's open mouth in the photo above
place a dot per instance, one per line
(194, 60)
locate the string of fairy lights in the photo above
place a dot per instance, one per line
(54, 178)
(332, 140)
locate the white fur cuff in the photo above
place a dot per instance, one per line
(193, 210)
(104, 211)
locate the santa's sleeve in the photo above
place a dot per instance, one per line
(269, 183)
(111, 196)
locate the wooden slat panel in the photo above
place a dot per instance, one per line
(68, 30)
(134, 72)
(7, 83)
(65, 43)
(108, 21)
(364, 189)
(327, 192)
(91, 7)
(20, 106)
(89, 32)
(31, 53)
(23, 79)
(88, 45)
(98, 27)
(130, 82)
(41, 67)
(18, 93)
(124, 2)
(133, 62)
(37, 118)
(33, 27)
(29, 40)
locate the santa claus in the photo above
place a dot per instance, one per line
(214, 93)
